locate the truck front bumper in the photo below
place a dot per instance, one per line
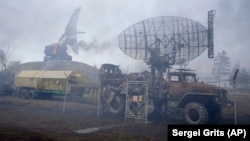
(227, 104)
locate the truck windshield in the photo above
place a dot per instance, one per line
(189, 78)
(72, 80)
(174, 78)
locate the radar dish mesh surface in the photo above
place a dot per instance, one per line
(181, 38)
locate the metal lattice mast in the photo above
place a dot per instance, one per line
(210, 33)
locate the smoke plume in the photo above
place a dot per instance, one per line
(94, 46)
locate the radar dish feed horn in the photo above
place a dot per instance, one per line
(164, 41)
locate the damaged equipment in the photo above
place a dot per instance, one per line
(58, 51)
(163, 42)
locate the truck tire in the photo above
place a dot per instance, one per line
(115, 102)
(31, 94)
(24, 93)
(117, 105)
(195, 113)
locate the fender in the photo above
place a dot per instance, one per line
(194, 96)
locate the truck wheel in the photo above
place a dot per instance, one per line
(24, 94)
(196, 113)
(31, 94)
(117, 105)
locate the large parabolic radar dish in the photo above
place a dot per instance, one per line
(173, 40)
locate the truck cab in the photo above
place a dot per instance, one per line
(199, 102)
(180, 81)
(182, 75)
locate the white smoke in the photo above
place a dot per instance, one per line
(95, 46)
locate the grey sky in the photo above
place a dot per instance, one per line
(28, 25)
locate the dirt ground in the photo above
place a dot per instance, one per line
(44, 120)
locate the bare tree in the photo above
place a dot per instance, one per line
(5, 57)
(221, 66)
(7, 71)
(3, 60)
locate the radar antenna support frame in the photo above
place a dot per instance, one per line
(165, 41)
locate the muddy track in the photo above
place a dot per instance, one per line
(44, 120)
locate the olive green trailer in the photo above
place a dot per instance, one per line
(31, 83)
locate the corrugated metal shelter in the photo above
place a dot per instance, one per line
(57, 65)
(51, 81)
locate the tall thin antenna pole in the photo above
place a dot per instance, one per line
(235, 108)
(210, 33)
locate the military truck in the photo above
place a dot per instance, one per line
(31, 84)
(179, 95)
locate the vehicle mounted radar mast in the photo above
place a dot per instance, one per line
(58, 51)
(165, 41)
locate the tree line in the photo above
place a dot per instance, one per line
(7, 74)
(223, 72)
